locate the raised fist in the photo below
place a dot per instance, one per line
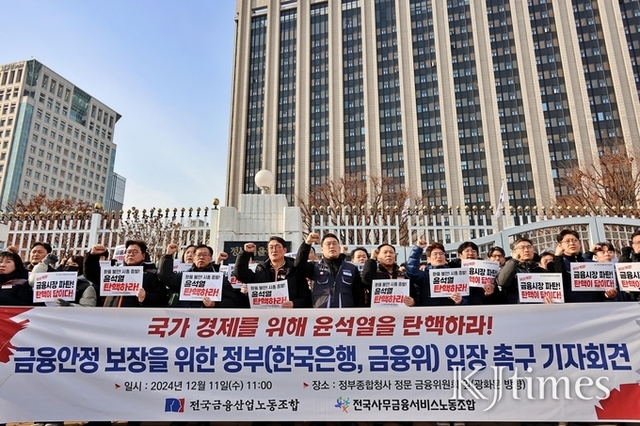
(172, 249)
(313, 237)
(98, 249)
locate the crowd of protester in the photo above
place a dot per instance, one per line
(335, 278)
(332, 279)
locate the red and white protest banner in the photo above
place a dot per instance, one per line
(481, 272)
(519, 363)
(196, 285)
(540, 288)
(51, 286)
(120, 280)
(592, 276)
(628, 276)
(268, 295)
(445, 282)
(385, 293)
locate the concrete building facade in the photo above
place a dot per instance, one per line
(118, 188)
(55, 138)
(451, 99)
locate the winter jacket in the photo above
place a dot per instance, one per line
(337, 282)
(298, 288)
(374, 271)
(508, 281)
(562, 264)
(421, 280)
(156, 292)
(15, 289)
(173, 282)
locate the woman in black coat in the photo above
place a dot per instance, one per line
(14, 281)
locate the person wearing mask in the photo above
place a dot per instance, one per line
(276, 268)
(202, 262)
(436, 258)
(337, 283)
(521, 262)
(15, 289)
(152, 293)
(382, 266)
(569, 251)
(546, 257)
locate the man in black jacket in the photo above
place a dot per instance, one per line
(521, 262)
(337, 282)
(202, 262)
(151, 294)
(631, 254)
(569, 251)
(276, 268)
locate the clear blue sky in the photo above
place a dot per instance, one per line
(164, 65)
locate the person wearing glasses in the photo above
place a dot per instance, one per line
(202, 262)
(521, 262)
(497, 254)
(152, 293)
(436, 258)
(569, 250)
(276, 268)
(337, 283)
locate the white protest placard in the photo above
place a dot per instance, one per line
(120, 281)
(445, 282)
(268, 295)
(105, 264)
(628, 276)
(360, 266)
(179, 266)
(591, 276)
(481, 272)
(50, 286)
(235, 282)
(386, 293)
(196, 285)
(533, 288)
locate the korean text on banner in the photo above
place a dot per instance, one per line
(392, 364)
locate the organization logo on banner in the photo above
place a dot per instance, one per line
(343, 404)
(174, 405)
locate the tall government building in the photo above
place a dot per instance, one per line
(449, 98)
(55, 138)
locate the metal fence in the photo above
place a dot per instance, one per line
(454, 226)
(73, 233)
